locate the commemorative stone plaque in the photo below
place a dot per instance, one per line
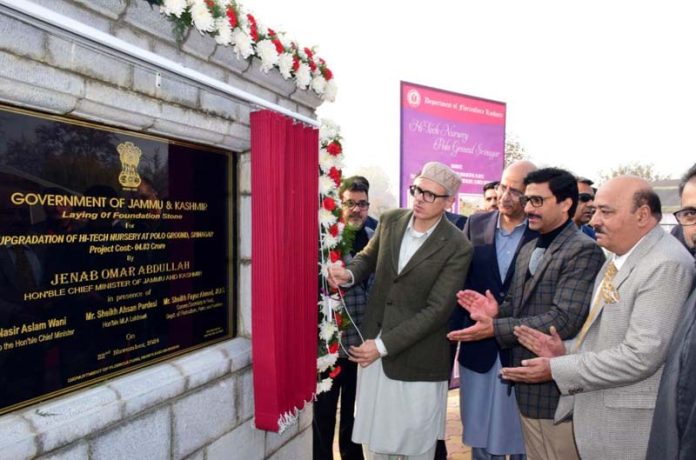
(114, 252)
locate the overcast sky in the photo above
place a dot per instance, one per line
(588, 85)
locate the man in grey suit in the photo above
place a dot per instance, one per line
(551, 286)
(419, 259)
(609, 373)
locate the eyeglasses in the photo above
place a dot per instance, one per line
(427, 195)
(585, 197)
(350, 204)
(686, 216)
(501, 189)
(535, 200)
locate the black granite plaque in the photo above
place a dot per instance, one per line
(114, 252)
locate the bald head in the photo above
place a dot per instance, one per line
(512, 187)
(520, 167)
(627, 209)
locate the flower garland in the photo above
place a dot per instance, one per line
(230, 25)
(334, 237)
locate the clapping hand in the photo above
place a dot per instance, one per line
(543, 345)
(532, 371)
(482, 309)
(478, 304)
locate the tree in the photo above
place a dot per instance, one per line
(381, 197)
(646, 171)
(514, 150)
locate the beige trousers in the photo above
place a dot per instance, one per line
(545, 441)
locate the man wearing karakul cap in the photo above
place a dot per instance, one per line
(419, 260)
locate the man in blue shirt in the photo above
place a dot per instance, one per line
(488, 407)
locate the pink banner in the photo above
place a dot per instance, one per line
(464, 132)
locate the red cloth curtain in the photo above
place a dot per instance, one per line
(284, 261)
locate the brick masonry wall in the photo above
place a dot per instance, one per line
(200, 405)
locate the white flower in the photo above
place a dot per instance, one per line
(266, 50)
(318, 84)
(224, 31)
(336, 304)
(303, 76)
(325, 273)
(242, 43)
(326, 361)
(326, 218)
(173, 7)
(328, 131)
(326, 185)
(329, 241)
(330, 90)
(327, 330)
(201, 16)
(284, 40)
(324, 385)
(328, 161)
(263, 30)
(285, 62)
(325, 160)
(324, 306)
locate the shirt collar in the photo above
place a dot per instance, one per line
(416, 234)
(502, 230)
(620, 260)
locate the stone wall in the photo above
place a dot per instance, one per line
(199, 405)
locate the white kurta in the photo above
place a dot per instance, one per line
(396, 417)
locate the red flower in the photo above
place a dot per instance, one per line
(253, 29)
(278, 45)
(339, 320)
(333, 348)
(329, 203)
(271, 32)
(335, 256)
(335, 372)
(334, 148)
(309, 53)
(335, 174)
(232, 17)
(210, 4)
(333, 230)
(312, 65)
(328, 75)
(295, 63)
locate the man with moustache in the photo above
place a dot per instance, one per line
(490, 419)
(585, 209)
(355, 203)
(609, 373)
(490, 196)
(673, 432)
(419, 259)
(551, 287)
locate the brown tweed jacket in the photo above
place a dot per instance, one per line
(412, 307)
(559, 295)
